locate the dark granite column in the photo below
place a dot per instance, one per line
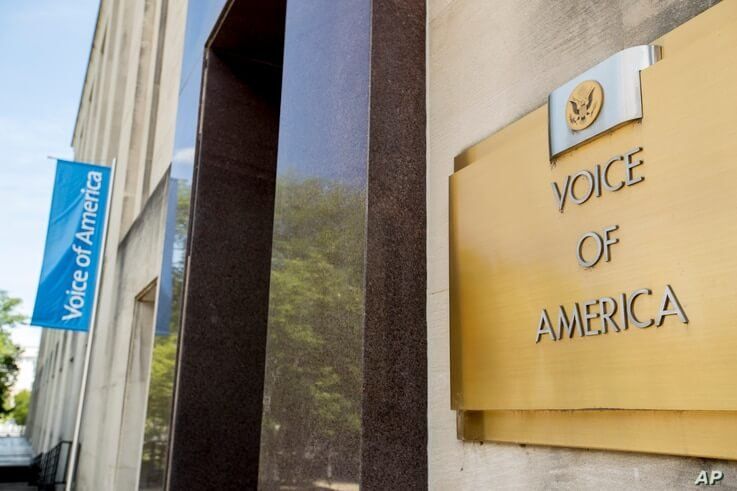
(345, 395)
(311, 431)
(337, 292)
(394, 433)
(219, 387)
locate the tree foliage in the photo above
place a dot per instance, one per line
(163, 361)
(158, 410)
(21, 401)
(311, 425)
(9, 352)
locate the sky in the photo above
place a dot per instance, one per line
(44, 46)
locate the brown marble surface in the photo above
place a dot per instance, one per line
(311, 431)
(340, 303)
(217, 411)
(394, 422)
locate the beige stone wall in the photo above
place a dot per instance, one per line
(491, 62)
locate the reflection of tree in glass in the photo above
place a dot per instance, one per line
(158, 412)
(311, 427)
(163, 362)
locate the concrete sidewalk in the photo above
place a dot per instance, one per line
(15, 451)
(15, 459)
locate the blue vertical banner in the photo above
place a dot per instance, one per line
(66, 290)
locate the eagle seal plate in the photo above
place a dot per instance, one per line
(576, 110)
(584, 105)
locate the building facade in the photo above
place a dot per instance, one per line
(275, 302)
(126, 118)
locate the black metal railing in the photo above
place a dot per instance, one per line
(49, 469)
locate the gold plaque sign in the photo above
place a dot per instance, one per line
(594, 298)
(584, 105)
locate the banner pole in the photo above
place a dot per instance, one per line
(73, 451)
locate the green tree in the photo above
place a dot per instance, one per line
(20, 408)
(311, 426)
(9, 352)
(163, 362)
(158, 411)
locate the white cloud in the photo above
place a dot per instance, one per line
(184, 156)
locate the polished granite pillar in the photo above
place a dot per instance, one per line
(346, 386)
(311, 430)
(394, 419)
(332, 327)
(217, 406)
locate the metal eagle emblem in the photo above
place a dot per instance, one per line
(584, 105)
